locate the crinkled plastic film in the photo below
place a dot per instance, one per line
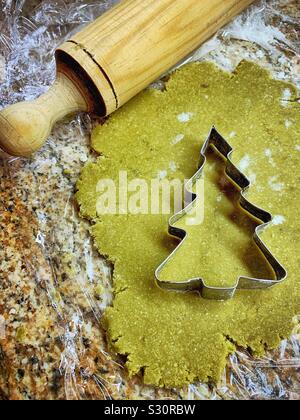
(54, 286)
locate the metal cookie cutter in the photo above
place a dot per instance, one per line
(237, 178)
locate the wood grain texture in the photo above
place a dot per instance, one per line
(25, 126)
(137, 41)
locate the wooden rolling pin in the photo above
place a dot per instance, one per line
(113, 59)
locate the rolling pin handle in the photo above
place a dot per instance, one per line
(112, 60)
(24, 127)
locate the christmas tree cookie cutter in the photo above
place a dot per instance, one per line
(240, 180)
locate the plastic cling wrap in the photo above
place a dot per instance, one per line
(54, 286)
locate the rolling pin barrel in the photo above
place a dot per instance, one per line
(113, 59)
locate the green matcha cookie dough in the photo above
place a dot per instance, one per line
(200, 254)
(175, 339)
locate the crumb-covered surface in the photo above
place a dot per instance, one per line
(54, 286)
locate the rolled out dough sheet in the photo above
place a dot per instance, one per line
(175, 339)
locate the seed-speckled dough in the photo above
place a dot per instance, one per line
(235, 249)
(178, 338)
